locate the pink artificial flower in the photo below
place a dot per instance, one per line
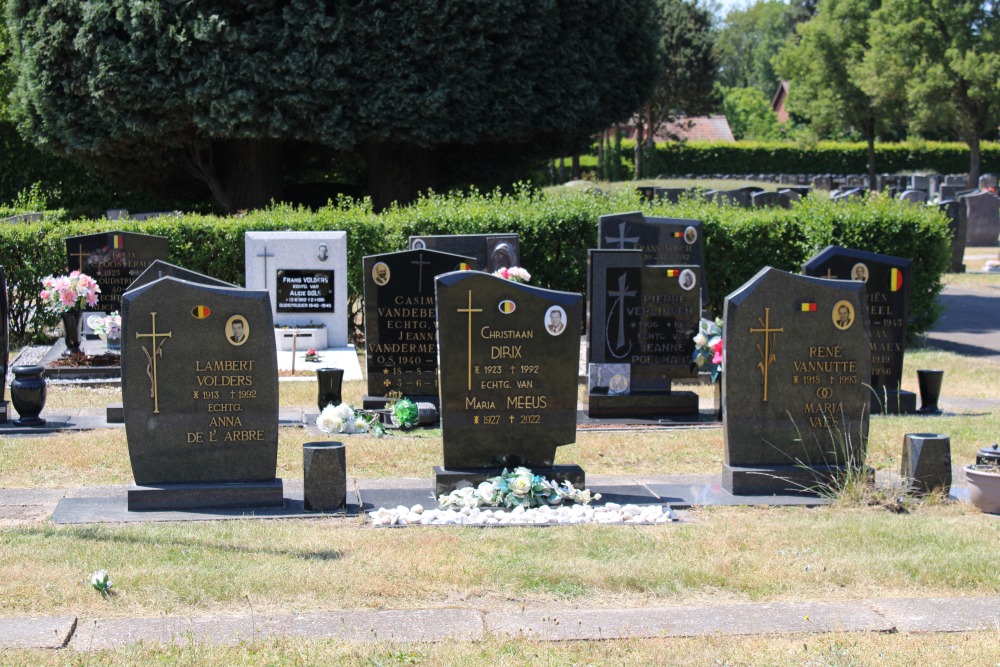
(68, 297)
(504, 273)
(91, 298)
(311, 352)
(44, 296)
(717, 359)
(74, 274)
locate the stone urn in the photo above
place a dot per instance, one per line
(984, 487)
(27, 393)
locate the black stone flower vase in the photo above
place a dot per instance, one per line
(27, 392)
(331, 382)
(72, 324)
(930, 391)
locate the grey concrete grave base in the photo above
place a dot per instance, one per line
(551, 623)
(242, 495)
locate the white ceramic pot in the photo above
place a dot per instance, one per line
(984, 489)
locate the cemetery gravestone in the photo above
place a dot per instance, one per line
(887, 282)
(919, 183)
(796, 362)
(305, 274)
(114, 260)
(956, 225)
(400, 337)
(644, 317)
(914, 196)
(663, 241)
(4, 344)
(982, 219)
(509, 358)
(988, 182)
(200, 392)
(160, 269)
(493, 251)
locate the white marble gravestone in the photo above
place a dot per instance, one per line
(305, 274)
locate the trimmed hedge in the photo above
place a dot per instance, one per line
(555, 233)
(825, 157)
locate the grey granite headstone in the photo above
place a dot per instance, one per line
(160, 269)
(926, 462)
(491, 251)
(200, 392)
(400, 336)
(663, 241)
(796, 362)
(324, 476)
(765, 199)
(914, 196)
(509, 359)
(982, 216)
(4, 344)
(645, 317)
(956, 225)
(114, 260)
(887, 281)
(919, 183)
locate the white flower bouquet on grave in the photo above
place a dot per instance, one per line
(343, 419)
(517, 488)
(109, 326)
(515, 274)
(101, 583)
(708, 346)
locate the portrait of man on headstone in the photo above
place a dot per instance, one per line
(380, 274)
(690, 235)
(687, 279)
(860, 273)
(843, 315)
(237, 330)
(555, 320)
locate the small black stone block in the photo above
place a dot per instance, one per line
(446, 481)
(324, 469)
(926, 462)
(644, 405)
(894, 403)
(115, 414)
(3, 412)
(206, 496)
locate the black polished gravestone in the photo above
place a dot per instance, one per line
(887, 282)
(795, 363)
(200, 392)
(491, 251)
(114, 260)
(161, 269)
(663, 241)
(4, 344)
(509, 357)
(400, 337)
(645, 317)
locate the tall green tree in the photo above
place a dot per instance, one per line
(234, 95)
(750, 38)
(749, 114)
(942, 58)
(826, 73)
(686, 63)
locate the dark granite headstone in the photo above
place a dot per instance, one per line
(796, 362)
(509, 361)
(492, 251)
(114, 260)
(663, 241)
(982, 216)
(200, 392)
(646, 317)
(887, 281)
(161, 269)
(4, 344)
(956, 225)
(400, 337)
(766, 199)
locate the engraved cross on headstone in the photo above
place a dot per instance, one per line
(620, 295)
(420, 262)
(152, 356)
(265, 255)
(767, 354)
(80, 254)
(622, 239)
(470, 310)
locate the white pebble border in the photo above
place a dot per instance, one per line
(610, 513)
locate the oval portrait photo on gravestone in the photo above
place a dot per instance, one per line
(237, 330)
(843, 315)
(687, 279)
(690, 235)
(381, 274)
(555, 320)
(860, 272)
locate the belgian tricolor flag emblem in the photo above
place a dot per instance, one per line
(678, 235)
(200, 312)
(507, 307)
(673, 273)
(808, 306)
(895, 280)
(463, 266)
(117, 241)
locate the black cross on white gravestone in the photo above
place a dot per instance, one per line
(265, 255)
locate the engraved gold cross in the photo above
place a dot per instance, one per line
(80, 254)
(767, 353)
(157, 352)
(469, 310)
